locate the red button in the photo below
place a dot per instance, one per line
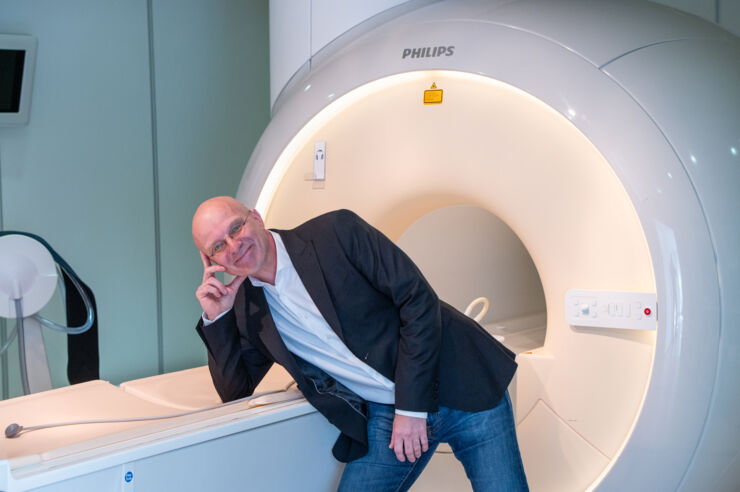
(647, 311)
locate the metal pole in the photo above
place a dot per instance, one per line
(21, 345)
(4, 360)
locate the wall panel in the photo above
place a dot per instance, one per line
(729, 15)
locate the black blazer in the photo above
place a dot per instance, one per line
(377, 301)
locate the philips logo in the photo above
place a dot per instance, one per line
(428, 52)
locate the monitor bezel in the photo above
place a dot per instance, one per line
(29, 45)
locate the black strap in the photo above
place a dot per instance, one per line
(83, 353)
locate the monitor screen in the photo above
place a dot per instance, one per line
(11, 78)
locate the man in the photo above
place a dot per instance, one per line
(368, 343)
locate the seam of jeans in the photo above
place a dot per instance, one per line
(411, 470)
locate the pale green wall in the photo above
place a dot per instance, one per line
(212, 76)
(104, 156)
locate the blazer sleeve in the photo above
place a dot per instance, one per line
(236, 364)
(393, 273)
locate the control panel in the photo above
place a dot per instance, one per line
(611, 309)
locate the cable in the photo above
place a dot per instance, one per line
(15, 430)
(69, 330)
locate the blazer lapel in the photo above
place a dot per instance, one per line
(306, 263)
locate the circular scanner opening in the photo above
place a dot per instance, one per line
(492, 147)
(467, 253)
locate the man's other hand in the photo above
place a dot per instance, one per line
(213, 295)
(409, 438)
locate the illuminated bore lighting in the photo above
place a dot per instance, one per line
(339, 104)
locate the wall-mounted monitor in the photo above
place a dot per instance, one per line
(17, 62)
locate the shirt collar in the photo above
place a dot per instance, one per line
(283, 261)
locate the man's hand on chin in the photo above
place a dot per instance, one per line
(409, 438)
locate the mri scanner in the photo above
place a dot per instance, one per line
(606, 136)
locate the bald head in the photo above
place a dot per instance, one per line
(229, 234)
(210, 213)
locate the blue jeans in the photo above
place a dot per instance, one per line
(484, 442)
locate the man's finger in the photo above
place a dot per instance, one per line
(417, 448)
(398, 449)
(397, 446)
(424, 442)
(211, 271)
(208, 291)
(205, 259)
(217, 284)
(238, 280)
(409, 446)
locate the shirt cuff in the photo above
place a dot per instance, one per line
(418, 415)
(207, 321)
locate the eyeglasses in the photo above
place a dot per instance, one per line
(234, 231)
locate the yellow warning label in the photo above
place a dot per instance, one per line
(433, 95)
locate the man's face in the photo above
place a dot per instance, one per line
(233, 237)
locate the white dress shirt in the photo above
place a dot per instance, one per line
(306, 333)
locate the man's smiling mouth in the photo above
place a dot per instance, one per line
(244, 254)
